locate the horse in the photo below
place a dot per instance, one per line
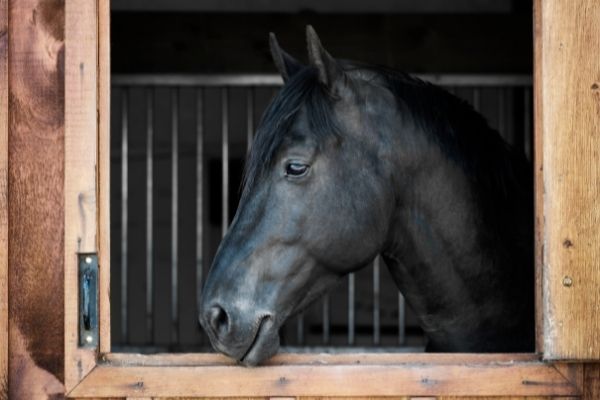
(351, 161)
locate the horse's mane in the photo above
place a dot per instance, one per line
(501, 176)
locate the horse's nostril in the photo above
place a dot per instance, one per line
(218, 319)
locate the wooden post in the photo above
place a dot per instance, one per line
(81, 135)
(103, 178)
(36, 198)
(568, 83)
(3, 199)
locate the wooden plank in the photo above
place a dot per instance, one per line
(3, 199)
(569, 71)
(104, 171)
(461, 379)
(538, 177)
(35, 201)
(500, 398)
(591, 380)
(213, 359)
(80, 215)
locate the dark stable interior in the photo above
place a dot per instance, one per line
(178, 42)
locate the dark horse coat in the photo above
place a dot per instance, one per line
(351, 161)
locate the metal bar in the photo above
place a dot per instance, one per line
(401, 319)
(527, 122)
(326, 320)
(124, 205)
(221, 80)
(199, 193)
(249, 118)
(376, 289)
(501, 113)
(149, 212)
(351, 294)
(174, 211)
(225, 160)
(300, 330)
(476, 98)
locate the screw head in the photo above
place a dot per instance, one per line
(567, 281)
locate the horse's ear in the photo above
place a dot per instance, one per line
(286, 64)
(328, 68)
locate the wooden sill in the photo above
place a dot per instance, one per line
(212, 375)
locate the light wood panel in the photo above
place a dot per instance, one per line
(345, 398)
(214, 359)
(104, 172)
(81, 135)
(538, 178)
(568, 70)
(3, 199)
(348, 398)
(464, 379)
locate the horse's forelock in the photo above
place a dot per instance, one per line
(302, 90)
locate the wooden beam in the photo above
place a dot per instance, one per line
(538, 177)
(415, 379)
(35, 201)
(104, 171)
(214, 359)
(591, 379)
(568, 70)
(3, 199)
(81, 138)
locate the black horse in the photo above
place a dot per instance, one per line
(351, 161)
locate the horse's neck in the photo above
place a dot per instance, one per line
(438, 256)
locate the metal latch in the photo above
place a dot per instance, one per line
(88, 299)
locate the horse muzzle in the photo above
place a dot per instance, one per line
(249, 340)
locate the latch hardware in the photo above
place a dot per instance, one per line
(88, 300)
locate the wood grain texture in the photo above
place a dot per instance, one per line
(319, 359)
(345, 398)
(35, 201)
(538, 177)
(80, 215)
(591, 380)
(506, 398)
(519, 379)
(3, 199)
(568, 69)
(104, 171)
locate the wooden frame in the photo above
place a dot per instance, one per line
(75, 169)
(3, 198)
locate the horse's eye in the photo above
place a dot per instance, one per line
(295, 169)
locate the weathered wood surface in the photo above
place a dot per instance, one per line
(591, 382)
(568, 71)
(3, 199)
(345, 398)
(103, 183)
(214, 359)
(465, 379)
(80, 207)
(35, 202)
(538, 177)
